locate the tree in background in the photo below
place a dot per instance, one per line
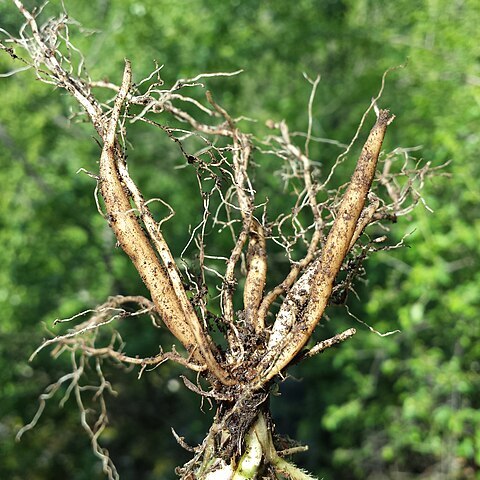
(406, 406)
(261, 339)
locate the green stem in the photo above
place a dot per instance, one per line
(248, 465)
(289, 469)
(259, 445)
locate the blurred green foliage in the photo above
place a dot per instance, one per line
(403, 406)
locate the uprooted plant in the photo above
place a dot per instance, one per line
(269, 330)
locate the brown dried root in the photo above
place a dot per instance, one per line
(162, 280)
(305, 303)
(256, 276)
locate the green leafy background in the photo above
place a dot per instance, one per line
(400, 407)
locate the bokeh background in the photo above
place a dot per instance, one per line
(400, 407)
